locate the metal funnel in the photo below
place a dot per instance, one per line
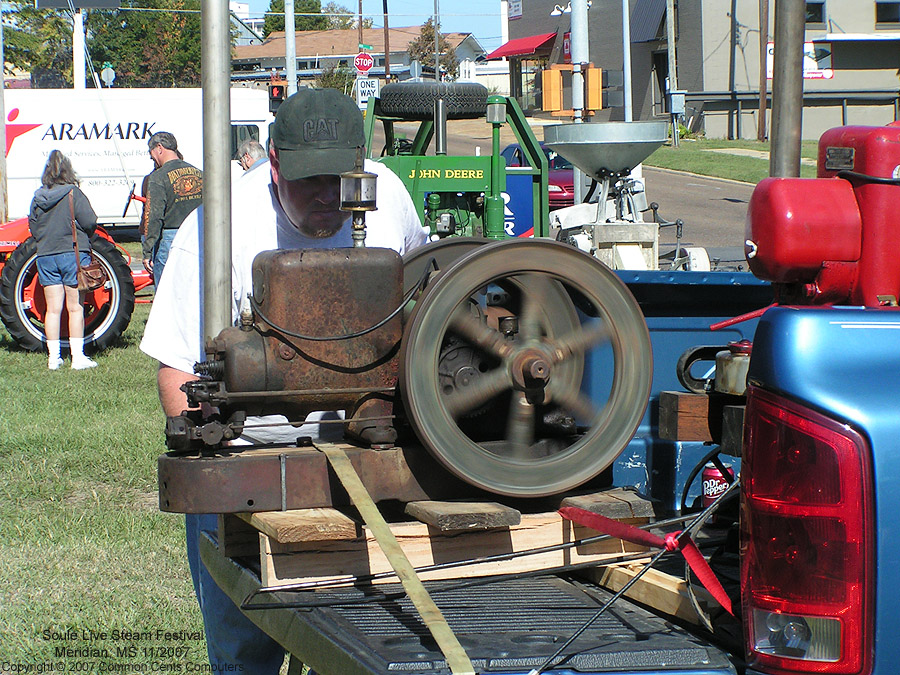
(602, 149)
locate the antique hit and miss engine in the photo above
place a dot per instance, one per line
(485, 343)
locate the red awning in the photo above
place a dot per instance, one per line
(522, 46)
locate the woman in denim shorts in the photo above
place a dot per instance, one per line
(50, 221)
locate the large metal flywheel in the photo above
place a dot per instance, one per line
(526, 367)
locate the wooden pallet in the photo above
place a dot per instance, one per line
(663, 592)
(310, 545)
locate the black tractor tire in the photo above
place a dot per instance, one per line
(415, 100)
(107, 311)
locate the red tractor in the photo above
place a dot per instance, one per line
(107, 311)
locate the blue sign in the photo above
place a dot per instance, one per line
(518, 207)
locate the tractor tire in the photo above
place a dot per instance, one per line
(415, 100)
(107, 311)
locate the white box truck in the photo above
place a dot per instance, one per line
(105, 132)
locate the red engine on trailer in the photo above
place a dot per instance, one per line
(834, 239)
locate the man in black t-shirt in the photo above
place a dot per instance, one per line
(173, 191)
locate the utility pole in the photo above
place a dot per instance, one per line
(290, 48)
(387, 43)
(437, 49)
(673, 72)
(787, 88)
(731, 67)
(763, 67)
(359, 28)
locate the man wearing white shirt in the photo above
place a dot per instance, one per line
(295, 205)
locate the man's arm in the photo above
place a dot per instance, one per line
(169, 381)
(172, 335)
(156, 208)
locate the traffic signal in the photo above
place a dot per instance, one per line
(276, 96)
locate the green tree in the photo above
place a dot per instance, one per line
(422, 49)
(335, 77)
(342, 18)
(275, 18)
(39, 42)
(148, 49)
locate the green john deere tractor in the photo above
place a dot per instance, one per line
(472, 196)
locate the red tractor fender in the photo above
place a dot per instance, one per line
(13, 233)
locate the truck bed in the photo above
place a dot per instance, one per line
(508, 626)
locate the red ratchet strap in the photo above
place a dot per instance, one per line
(674, 541)
(755, 314)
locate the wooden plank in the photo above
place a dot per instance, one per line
(616, 503)
(236, 537)
(453, 516)
(685, 417)
(301, 525)
(663, 592)
(424, 545)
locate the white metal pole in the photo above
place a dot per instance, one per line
(626, 60)
(580, 57)
(290, 48)
(215, 69)
(78, 49)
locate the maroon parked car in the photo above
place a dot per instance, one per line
(560, 182)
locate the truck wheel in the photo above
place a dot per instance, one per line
(107, 311)
(415, 100)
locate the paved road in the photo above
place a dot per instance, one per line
(713, 210)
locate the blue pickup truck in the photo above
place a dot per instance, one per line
(819, 478)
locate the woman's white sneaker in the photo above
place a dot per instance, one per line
(82, 363)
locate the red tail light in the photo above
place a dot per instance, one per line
(807, 548)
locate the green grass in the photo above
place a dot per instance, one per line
(84, 546)
(699, 156)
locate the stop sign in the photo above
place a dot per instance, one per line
(363, 62)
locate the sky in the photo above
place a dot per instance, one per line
(480, 17)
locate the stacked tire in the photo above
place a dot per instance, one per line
(415, 100)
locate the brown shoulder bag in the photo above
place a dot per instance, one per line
(91, 276)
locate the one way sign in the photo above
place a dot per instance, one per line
(366, 87)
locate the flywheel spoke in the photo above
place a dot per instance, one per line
(482, 390)
(480, 335)
(579, 341)
(576, 402)
(534, 292)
